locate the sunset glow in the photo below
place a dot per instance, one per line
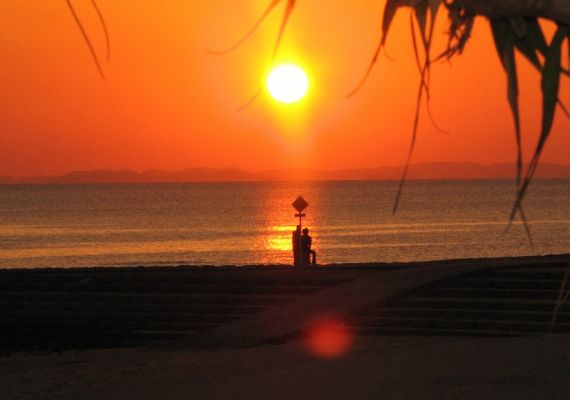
(167, 104)
(287, 83)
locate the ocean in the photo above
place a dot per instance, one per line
(251, 223)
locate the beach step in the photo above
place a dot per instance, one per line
(505, 283)
(115, 307)
(476, 324)
(504, 293)
(169, 276)
(461, 313)
(416, 331)
(101, 307)
(502, 301)
(466, 303)
(149, 297)
(139, 288)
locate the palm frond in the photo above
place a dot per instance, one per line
(251, 99)
(550, 83)
(252, 30)
(426, 31)
(389, 12)
(104, 27)
(562, 298)
(410, 149)
(504, 39)
(288, 10)
(460, 28)
(86, 36)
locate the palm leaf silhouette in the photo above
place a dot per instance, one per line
(288, 10)
(86, 36)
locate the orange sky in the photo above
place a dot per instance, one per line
(168, 104)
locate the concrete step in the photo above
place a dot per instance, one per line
(548, 273)
(477, 303)
(502, 283)
(499, 301)
(31, 339)
(56, 339)
(106, 306)
(98, 328)
(132, 307)
(162, 298)
(167, 277)
(452, 314)
(464, 323)
(118, 317)
(496, 293)
(402, 331)
(223, 289)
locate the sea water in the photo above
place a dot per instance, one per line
(251, 223)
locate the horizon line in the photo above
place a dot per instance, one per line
(423, 171)
(257, 171)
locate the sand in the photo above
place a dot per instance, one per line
(380, 367)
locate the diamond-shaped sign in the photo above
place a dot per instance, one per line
(300, 204)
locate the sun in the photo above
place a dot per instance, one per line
(287, 83)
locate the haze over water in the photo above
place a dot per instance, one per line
(251, 223)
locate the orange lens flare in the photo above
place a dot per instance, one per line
(328, 338)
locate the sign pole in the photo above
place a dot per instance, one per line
(300, 241)
(300, 204)
(300, 254)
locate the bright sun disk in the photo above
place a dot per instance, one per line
(287, 83)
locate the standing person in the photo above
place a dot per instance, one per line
(306, 243)
(296, 239)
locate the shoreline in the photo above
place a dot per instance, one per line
(459, 262)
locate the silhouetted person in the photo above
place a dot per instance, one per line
(296, 241)
(307, 252)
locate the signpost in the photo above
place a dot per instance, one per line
(300, 204)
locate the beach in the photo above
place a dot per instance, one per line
(389, 368)
(267, 353)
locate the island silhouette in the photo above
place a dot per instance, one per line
(420, 171)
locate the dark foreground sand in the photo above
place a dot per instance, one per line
(376, 368)
(380, 367)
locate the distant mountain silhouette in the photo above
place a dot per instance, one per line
(435, 170)
(8, 179)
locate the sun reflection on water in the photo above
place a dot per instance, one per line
(280, 238)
